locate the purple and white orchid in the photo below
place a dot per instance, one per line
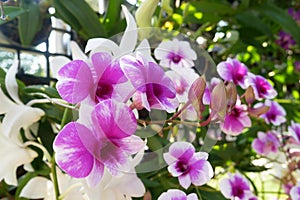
(174, 194)
(266, 143)
(153, 89)
(189, 166)
(175, 54)
(236, 120)
(295, 192)
(84, 152)
(276, 113)
(294, 129)
(233, 70)
(236, 187)
(261, 87)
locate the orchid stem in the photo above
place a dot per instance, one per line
(180, 111)
(198, 193)
(55, 180)
(64, 118)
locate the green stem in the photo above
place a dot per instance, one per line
(198, 193)
(64, 118)
(55, 180)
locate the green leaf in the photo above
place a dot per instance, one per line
(83, 13)
(249, 19)
(282, 18)
(29, 24)
(49, 91)
(213, 7)
(12, 12)
(112, 15)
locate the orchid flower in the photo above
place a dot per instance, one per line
(189, 166)
(43, 188)
(266, 143)
(17, 114)
(116, 187)
(236, 120)
(261, 87)
(153, 88)
(83, 151)
(295, 192)
(127, 43)
(175, 54)
(233, 70)
(294, 129)
(79, 80)
(276, 113)
(236, 186)
(174, 194)
(13, 154)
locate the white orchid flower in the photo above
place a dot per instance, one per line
(13, 154)
(43, 188)
(121, 187)
(17, 115)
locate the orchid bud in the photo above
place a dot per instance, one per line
(249, 95)
(144, 13)
(218, 102)
(256, 112)
(231, 94)
(196, 92)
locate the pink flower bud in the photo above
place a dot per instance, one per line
(218, 102)
(196, 92)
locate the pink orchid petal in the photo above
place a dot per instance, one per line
(115, 119)
(131, 145)
(71, 155)
(100, 62)
(75, 81)
(182, 150)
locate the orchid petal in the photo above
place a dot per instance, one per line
(71, 155)
(57, 63)
(18, 117)
(13, 156)
(185, 181)
(36, 188)
(115, 119)
(11, 83)
(96, 174)
(145, 49)
(75, 81)
(102, 44)
(131, 145)
(101, 61)
(130, 35)
(77, 53)
(6, 103)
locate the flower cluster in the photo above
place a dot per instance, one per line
(143, 114)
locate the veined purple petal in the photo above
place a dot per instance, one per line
(130, 145)
(75, 81)
(266, 143)
(236, 186)
(233, 70)
(100, 61)
(71, 155)
(276, 113)
(115, 119)
(261, 87)
(182, 150)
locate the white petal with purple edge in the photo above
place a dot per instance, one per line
(96, 174)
